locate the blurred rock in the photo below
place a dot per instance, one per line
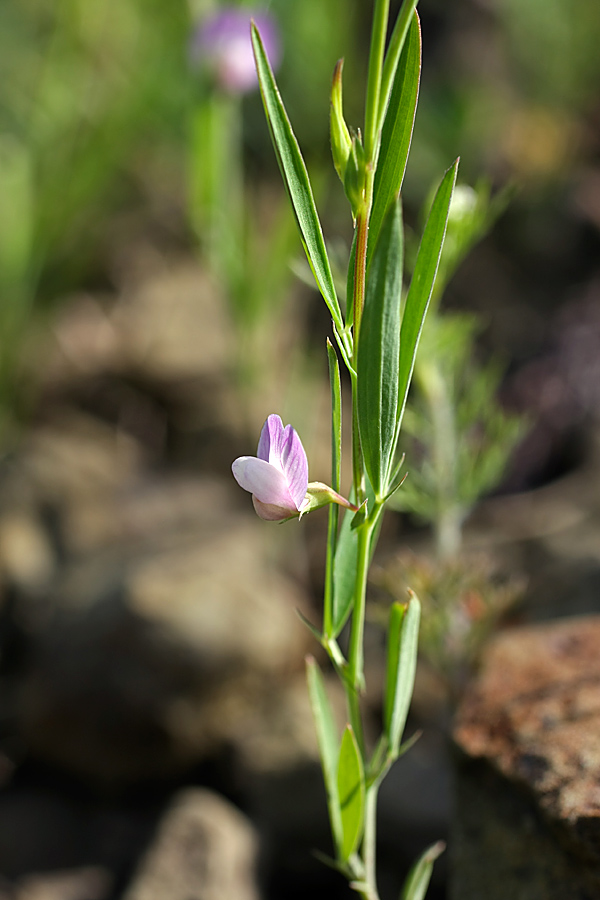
(171, 323)
(175, 324)
(25, 555)
(92, 883)
(153, 616)
(147, 656)
(528, 816)
(205, 849)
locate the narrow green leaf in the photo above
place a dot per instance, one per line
(417, 880)
(397, 131)
(344, 573)
(312, 628)
(328, 745)
(350, 283)
(379, 351)
(395, 47)
(345, 563)
(351, 791)
(397, 613)
(296, 179)
(421, 285)
(336, 416)
(336, 467)
(403, 644)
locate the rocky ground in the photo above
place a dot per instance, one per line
(155, 735)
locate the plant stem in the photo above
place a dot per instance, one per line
(370, 840)
(378, 35)
(356, 649)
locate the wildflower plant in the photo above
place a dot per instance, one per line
(377, 340)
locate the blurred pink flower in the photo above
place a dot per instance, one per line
(221, 44)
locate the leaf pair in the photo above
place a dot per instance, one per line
(343, 770)
(389, 338)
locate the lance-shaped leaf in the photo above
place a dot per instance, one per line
(417, 881)
(403, 644)
(344, 570)
(336, 466)
(328, 746)
(351, 791)
(296, 180)
(421, 285)
(344, 573)
(379, 351)
(397, 131)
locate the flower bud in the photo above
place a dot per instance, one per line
(355, 175)
(341, 142)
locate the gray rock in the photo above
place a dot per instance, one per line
(205, 849)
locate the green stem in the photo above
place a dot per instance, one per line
(332, 530)
(356, 648)
(369, 848)
(358, 300)
(378, 35)
(360, 265)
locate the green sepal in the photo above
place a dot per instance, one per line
(403, 645)
(351, 792)
(319, 495)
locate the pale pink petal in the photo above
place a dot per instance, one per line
(294, 464)
(270, 512)
(269, 443)
(265, 481)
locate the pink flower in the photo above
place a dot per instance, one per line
(277, 477)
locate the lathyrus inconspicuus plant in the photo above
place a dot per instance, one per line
(377, 339)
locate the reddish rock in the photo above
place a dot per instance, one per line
(528, 728)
